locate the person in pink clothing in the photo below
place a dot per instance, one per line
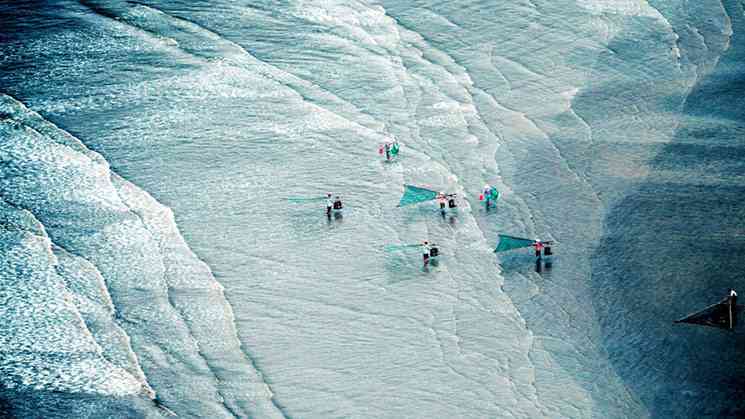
(442, 200)
(538, 248)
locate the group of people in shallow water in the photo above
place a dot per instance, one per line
(446, 199)
(390, 149)
(333, 205)
(429, 251)
(489, 196)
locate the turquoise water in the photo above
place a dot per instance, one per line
(148, 150)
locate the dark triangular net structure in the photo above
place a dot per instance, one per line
(722, 315)
(415, 194)
(511, 242)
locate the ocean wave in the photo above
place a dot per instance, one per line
(46, 342)
(101, 229)
(558, 105)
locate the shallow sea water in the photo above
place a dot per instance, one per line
(148, 150)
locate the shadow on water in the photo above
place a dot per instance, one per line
(334, 217)
(544, 266)
(450, 217)
(674, 245)
(525, 263)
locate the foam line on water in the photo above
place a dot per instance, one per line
(203, 43)
(46, 343)
(95, 222)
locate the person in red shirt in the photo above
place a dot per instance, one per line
(442, 200)
(538, 248)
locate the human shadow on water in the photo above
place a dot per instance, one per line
(526, 263)
(544, 265)
(433, 263)
(449, 217)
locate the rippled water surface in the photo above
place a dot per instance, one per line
(152, 265)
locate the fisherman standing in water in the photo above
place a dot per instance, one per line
(385, 148)
(451, 201)
(425, 252)
(538, 248)
(442, 200)
(390, 149)
(329, 205)
(337, 203)
(486, 195)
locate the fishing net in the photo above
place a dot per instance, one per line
(300, 199)
(716, 315)
(394, 149)
(510, 242)
(415, 195)
(399, 247)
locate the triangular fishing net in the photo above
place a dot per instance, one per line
(300, 199)
(414, 195)
(716, 315)
(510, 242)
(398, 247)
(394, 149)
